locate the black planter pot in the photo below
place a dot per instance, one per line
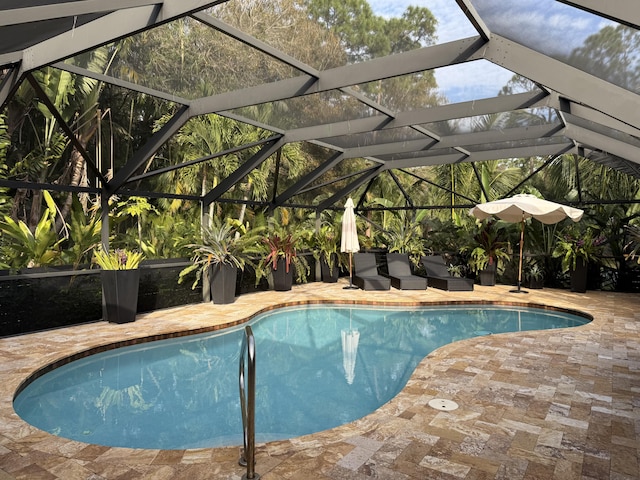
(120, 295)
(330, 275)
(536, 283)
(282, 280)
(223, 279)
(488, 276)
(579, 277)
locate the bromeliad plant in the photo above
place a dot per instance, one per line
(118, 259)
(280, 246)
(282, 242)
(227, 242)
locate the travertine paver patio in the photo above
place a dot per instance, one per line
(561, 404)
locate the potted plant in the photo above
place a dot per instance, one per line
(576, 249)
(120, 281)
(489, 257)
(226, 247)
(533, 273)
(281, 258)
(325, 251)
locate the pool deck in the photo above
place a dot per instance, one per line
(555, 404)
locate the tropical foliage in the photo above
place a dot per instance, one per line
(282, 241)
(490, 249)
(632, 248)
(23, 248)
(412, 210)
(118, 259)
(326, 245)
(223, 242)
(578, 244)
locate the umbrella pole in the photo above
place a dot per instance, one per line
(518, 290)
(351, 285)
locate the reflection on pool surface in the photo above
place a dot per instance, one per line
(318, 367)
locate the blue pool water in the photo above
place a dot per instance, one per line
(183, 393)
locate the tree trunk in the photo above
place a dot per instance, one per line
(77, 167)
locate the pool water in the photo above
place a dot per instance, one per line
(317, 367)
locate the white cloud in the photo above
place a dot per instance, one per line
(548, 26)
(452, 23)
(545, 25)
(472, 80)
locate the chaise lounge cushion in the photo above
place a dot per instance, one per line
(439, 277)
(401, 275)
(366, 274)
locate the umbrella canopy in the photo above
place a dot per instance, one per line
(349, 241)
(523, 206)
(520, 207)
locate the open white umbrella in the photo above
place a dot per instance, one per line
(520, 207)
(349, 240)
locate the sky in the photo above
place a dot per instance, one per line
(555, 28)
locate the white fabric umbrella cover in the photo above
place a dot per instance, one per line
(520, 207)
(350, 340)
(523, 206)
(349, 239)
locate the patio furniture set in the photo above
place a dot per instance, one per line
(367, 275)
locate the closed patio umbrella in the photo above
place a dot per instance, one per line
(350, 339)
(349, 239)
(520, 207)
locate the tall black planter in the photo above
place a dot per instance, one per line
(120, 295)
(329, 275)
(282, 280)
(223, 283)
(488, 276)
(579, 277)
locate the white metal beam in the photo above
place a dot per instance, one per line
(520, 152)
(106, 29)
(604, 143)
(503, 103)
(414, 61)
(569, 82)
(471, 13)
(622, 11)
(15, 16)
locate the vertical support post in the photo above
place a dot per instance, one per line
(104, 217)
(318, 225)
(519, 289)
(204, 218)
(248, 404)
(104, 238)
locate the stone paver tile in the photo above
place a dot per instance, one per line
(558, 405)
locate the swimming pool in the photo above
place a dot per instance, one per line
(318, 367)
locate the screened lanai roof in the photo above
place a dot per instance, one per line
(577, 99)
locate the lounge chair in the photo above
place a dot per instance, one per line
(401, 275)
(439, 277)
(366, 274)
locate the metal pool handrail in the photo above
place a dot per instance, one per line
(248, 403)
